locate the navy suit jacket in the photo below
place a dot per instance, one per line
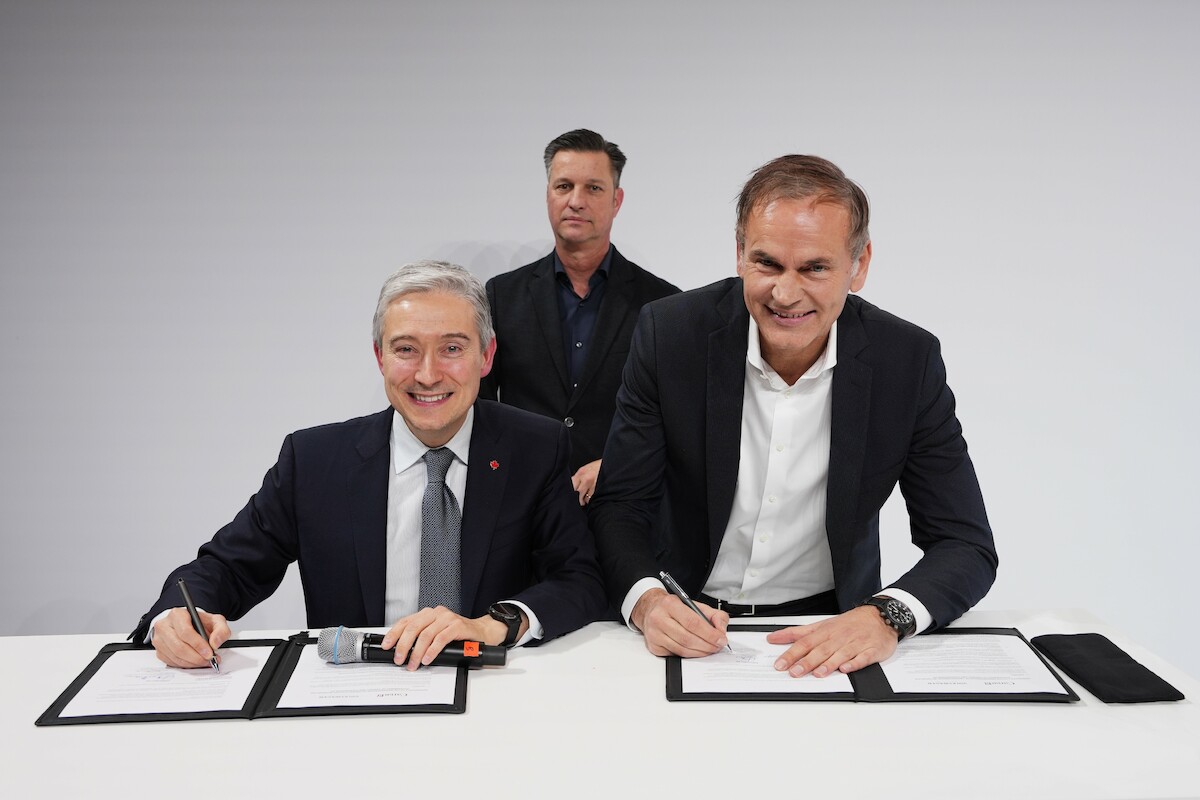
(530, 367)
(324, 505)
(676, 440)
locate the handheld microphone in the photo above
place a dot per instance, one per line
(346, 646)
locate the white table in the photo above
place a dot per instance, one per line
(586, 716)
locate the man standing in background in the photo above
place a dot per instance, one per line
(564, 322)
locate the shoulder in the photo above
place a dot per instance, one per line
(500, 418)
(517, 277)
(647, 281)
(880, 325)
(378, 425)
(714, 303)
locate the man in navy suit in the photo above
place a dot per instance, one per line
(564, 322)
(772, 415)
(348, 502)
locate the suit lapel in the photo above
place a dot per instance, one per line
(367, 488)
(543, 297)
(615, 308)
(490, 462)
(848, 434)
(723, 427)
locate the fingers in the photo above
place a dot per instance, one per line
(845, 643)
(419, 638)
(177, 644)
(671, 628)
(584, 481)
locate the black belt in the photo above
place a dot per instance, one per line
(823, 603)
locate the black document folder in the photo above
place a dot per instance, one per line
(871, 684)
(262, 701)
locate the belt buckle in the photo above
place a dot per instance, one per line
(722, 603)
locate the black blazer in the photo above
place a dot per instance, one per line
(676, 438)
(530, 368)
(324, 504)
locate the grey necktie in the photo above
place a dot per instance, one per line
(441, 523)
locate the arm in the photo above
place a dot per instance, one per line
(246, 560)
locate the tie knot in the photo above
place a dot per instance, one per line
(437, 461)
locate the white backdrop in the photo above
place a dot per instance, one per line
(199, 201)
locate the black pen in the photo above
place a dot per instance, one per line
(677, 590)
(196, 623)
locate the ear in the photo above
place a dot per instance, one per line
(489, 355)
(378, 357)
(740, 248)
(860, 270)
(618, 198)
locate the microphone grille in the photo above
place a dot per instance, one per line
(339, 645)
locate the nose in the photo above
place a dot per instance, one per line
(578, 198)
(788, 289)
(428, 371)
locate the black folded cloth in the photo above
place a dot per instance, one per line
(1104, 669)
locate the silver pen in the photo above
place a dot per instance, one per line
(677, 590)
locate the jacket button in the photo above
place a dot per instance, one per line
(569, 422)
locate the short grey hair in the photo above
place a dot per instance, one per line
(434, 276)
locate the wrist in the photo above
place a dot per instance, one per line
(642, 607)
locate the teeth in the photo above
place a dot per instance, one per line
(788, 316)
(431, 398)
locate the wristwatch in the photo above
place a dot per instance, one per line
(898, 616)
(510, 615)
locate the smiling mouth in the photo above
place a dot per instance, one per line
(789, 314)
(429, 398)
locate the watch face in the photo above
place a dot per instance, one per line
(899, 613)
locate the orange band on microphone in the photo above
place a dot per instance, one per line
(471, 649)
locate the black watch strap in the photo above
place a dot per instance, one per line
(510, 615)
(896, 615)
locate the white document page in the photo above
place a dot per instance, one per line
(136, 682)
(750, 668)
(316, 684)
(985, 663)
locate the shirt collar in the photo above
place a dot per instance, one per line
(408, 449)
(605, 264)
(826, 361)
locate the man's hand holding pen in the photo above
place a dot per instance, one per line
(671, 628)
(178, 645)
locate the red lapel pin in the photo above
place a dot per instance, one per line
(494, 464)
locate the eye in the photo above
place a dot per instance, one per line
(454, 350)
(596, 189)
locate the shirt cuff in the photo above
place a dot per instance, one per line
(634, 594)
(920, 613)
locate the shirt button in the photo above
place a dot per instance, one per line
(771, 499)
(578, 344)
(763, 538)
(753, 573)
(569, 422)
(741, 595)
(778, 448)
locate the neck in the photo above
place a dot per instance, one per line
(580, 261)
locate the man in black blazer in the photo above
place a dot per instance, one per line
(564, 322)
(346, 501)
(773, 415)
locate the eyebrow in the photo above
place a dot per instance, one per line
(408, 337)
